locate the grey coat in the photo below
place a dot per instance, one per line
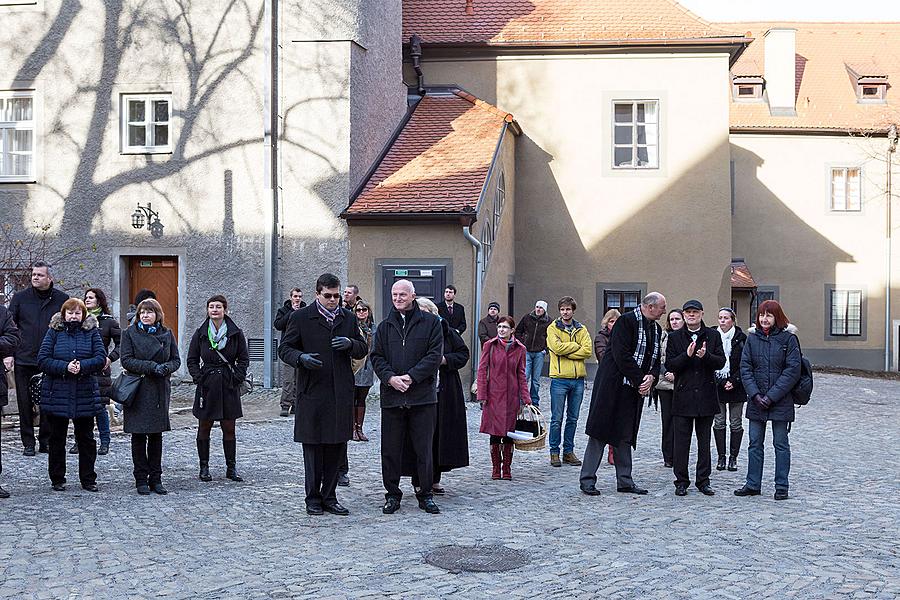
(140, 353)
(365, 377)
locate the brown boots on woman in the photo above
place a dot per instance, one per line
(358, 418)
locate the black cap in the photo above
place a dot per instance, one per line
(692, 304)
(494, 305)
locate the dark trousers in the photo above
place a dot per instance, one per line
(683, 426)
(26, 421)
(146, 454)
(665, 410)
(418, 422)
(321, 463)
(87, 448)
(593, 455)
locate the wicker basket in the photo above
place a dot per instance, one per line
(540, 440)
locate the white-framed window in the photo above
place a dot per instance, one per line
(146, 123)
(636, 134)
(487, 245)
(846, 312)
(499, 201)
(846, 191)
(17, 136)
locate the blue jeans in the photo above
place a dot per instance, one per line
(103, 425)
(755, 454)
(565, 395)
(534, 362)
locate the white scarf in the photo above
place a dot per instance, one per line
(220, 337)
(725, 371)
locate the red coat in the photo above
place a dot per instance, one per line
(503, 388)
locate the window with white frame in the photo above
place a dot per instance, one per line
(636, 134)
(499, 201)
(146, 123)
(846, 312)
(846, 192)
(17, 136)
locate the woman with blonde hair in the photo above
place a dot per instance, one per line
(71, 354)
(601, 342)
(149, 350)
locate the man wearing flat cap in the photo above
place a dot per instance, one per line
(693, 354)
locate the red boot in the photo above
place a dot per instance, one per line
(611, 460)
(495, 461)
(507, 460)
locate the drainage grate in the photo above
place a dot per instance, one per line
(480, 559)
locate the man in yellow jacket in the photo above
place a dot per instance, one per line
(569, 343)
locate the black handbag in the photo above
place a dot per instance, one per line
(802, 391)
(34, 389)
(125, 388)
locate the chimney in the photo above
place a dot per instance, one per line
(470, 7)
(780, 71)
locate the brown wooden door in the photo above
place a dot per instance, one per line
(160, 274)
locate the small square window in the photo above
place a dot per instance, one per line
(146, 123)
(636, 134)
(846, 193)
(846, 312)
(623, 301)
(17, 136)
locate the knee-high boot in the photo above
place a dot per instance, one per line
(506, 465)
(736, 437)
(360, 417)
(230, 447)
(203, 455)
(720, 448)
(495, 461)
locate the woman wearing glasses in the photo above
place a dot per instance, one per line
(364, 375)
(217, 361)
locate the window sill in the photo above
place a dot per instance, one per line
(140, 151)
(4, 180)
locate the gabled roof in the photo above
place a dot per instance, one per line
(830, 57)
(439, 161)
(540, 22)
(741, 279)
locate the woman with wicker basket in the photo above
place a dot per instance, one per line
(501, 388)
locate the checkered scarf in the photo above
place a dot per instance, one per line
(640, 351)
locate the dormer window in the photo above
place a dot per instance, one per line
(871, 89)
(747, 89)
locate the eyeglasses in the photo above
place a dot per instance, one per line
(330, 296)
(362, 310)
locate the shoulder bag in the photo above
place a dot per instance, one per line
(246, 386)
(125, 388)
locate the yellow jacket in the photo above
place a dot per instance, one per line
(568, 351)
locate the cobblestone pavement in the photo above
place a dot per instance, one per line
(835, 538)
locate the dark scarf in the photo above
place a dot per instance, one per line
(328, 314)
(148, 328)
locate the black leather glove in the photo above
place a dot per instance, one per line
(340, 343)
(310, 361)
(763, 402)
(161, 370)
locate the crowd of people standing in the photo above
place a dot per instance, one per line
(333, 349)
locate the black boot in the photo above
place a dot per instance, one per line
(736, 437)
(720, 448)
(230, 447)
(203, 455)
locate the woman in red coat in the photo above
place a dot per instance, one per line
(501, 385)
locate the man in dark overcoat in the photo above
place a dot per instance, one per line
(320, 340)
(693, 354)
(406, 355)
(9, 341)
(625, 376)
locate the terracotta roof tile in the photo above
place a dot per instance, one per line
(740, 276)
(440, 160)
(518, 22)
(826, 54)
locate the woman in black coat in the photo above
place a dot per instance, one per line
(150, 350)
(218, 361)
(9, 341)
(451, 442)
(111, 334)
(770, 368)
(731, 393)
(71, 354)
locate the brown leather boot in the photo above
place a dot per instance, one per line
(506, 464)
(360, 417)
(495, 461)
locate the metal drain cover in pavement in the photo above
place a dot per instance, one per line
(481, 559)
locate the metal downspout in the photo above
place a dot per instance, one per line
(271, 190)
(476, 309)
(892, 147)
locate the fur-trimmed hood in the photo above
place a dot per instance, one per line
(89, 323)
(791, 328)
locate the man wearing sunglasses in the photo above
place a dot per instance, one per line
(320, 340)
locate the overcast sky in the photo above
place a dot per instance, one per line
(794, 10)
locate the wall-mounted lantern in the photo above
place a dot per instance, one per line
(145, 215)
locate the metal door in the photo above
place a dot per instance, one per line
(429, 282)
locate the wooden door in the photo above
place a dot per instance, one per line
(160, 274)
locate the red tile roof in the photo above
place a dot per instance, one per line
(740, 276)
(826, 54)
(440, 160)
(535, 22)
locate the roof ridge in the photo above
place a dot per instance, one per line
(508, 117)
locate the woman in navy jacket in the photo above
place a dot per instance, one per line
(71, 354)
(770, 368)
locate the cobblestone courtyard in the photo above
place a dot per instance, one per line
(835, 538)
